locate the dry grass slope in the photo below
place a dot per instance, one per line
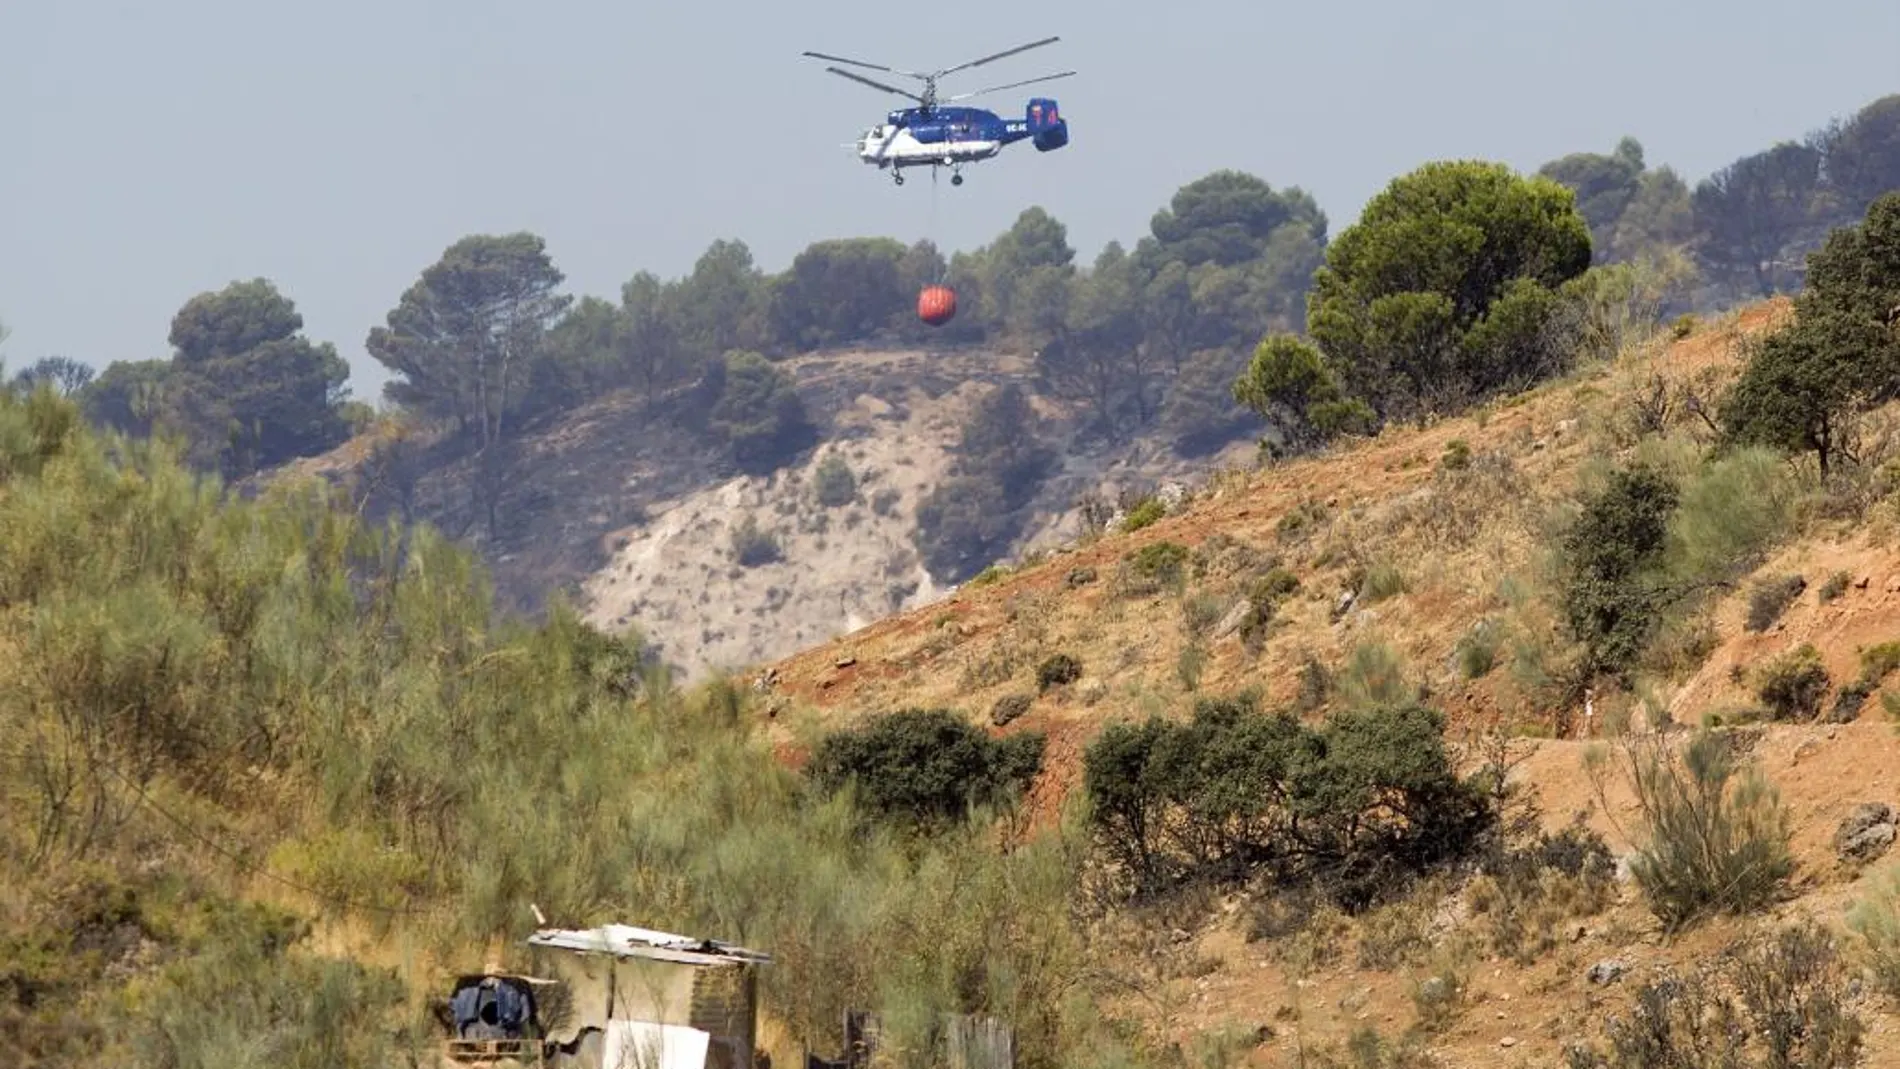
(1409, 550)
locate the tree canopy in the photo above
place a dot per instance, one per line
(467, 335)
(1803, 385)
(244, 387)
(1438, 296)
(1235, 306)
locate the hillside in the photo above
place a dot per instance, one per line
(1450, 538)
(635, 519)
(1548, 651)
(219, 752)
(1404, 560)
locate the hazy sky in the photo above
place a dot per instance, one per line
(152, 151)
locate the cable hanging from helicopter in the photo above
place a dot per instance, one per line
(935, 135)
(937, 301)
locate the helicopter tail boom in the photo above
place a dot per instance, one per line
(1047, 127)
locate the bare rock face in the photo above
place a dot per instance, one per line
(1866, 833)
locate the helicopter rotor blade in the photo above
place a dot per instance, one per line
(868, 66)
(1011, 85)
(875, 84)
(997, 56)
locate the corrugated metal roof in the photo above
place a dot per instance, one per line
(627, 941)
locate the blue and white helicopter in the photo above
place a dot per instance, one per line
(932, 135)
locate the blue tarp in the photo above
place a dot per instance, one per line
(492, 1009)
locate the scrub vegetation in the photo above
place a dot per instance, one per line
(1502, 657)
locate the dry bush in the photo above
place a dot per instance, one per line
(1875, 918)
(1715, 836)
(1374, 674)
(1775, 1000)
(1792, 686)
(1528, 896)
(1467, 499)
(1441, 994)
(1399, 933)
(1770, 598)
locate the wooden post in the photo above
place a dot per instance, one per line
(980, 1043)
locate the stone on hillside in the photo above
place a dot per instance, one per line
(1231, 622)
(1344, 604)
(1608, 971)
(1008, 708)
(1625, 870)
(1866, 833)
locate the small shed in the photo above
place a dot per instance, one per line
(657, 1000)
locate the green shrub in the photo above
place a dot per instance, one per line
(833, 483)
(1316, 686)
(1059, 670)
(281, 668)
(1613, 595)
(1357, 807)
(1383, 580)
(1878, 662)
(1848, 703)
(1190, 663)
(1793, 685)
(1717, 839)
(1264, 596)
(1770, 598)
(1201, 612)
(1477, 649)
(241, 996)
(1527, 894)
(1397, 933)
(1152, 568)
(1373, 675)
(1146, 514)
(1270, 588)
(753, 545)
(1301, 519)
(1457, 455)
(929, 766)
(991, 575)
(1876, 920)
(1730, 512)
(1835, 586)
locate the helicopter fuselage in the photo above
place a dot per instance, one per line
(939, 136)
(935, 135)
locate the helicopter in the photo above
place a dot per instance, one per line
(933, 135)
